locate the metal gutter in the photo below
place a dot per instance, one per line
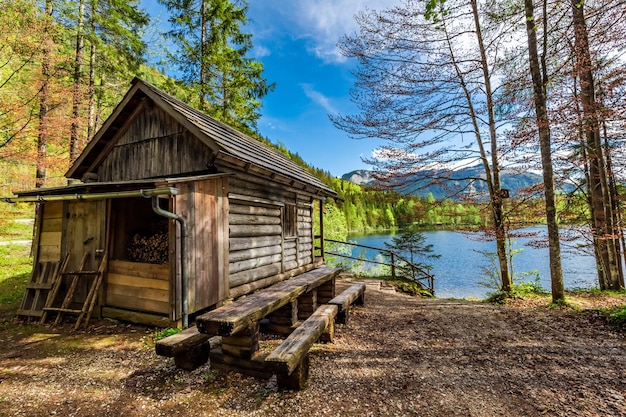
(183, 237)
(147, 193)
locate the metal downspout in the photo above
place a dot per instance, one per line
(183, 237)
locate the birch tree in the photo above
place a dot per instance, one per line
(425, 83)
(540, 81)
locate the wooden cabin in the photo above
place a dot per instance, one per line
(188, 211)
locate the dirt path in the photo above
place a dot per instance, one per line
(397, 356)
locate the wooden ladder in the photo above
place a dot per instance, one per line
(90, 299)
(43, 280)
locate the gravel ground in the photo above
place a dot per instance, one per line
(397, 356)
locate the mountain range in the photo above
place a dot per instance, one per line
(459, 183)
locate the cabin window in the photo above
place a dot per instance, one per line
(290, 220)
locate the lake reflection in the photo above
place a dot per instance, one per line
(460, 268)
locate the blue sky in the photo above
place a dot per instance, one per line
(296, 41)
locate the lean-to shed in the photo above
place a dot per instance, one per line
(189, 212)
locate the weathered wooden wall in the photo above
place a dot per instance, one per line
(50, 232)
(204, 205)
(260, 247)
(138, 287)
(84, 232)
(153, 145)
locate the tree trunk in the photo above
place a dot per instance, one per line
(615, 207)
(604, 231)
(543, 126)
(91, 118)
(42, 138)
(496, 192)
(203, 52)
(76, 95)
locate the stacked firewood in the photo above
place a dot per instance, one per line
(150, 246)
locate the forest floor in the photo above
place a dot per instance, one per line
(397, 356)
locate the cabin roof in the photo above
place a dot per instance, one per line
(218, 136)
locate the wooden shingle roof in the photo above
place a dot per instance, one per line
(220, 137)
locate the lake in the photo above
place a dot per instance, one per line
(460, 268)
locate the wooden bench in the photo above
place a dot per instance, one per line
(189, 348)
(246, 312)
(238, 323)
(290, 360)
(354, 294)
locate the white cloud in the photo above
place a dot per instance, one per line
(261, 51)
(328, 20)
(322, 22)
(318, 98)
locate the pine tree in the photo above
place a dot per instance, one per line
(411, 243)
(212, 53)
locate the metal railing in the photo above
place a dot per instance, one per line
(396, 262)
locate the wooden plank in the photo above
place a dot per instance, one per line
(179, 342)
(204, 260)
(249, 209)
(49, 253)
(244, 312)
(52, 225)
(137, 304)
(316, 277)
(53, 210)
(244, 243)
(286, 357)
(237, 292)
(249, 219)
(221, 233)
(139, 269)
(243, 255)
(349, 296)
(253, 263)
(29, 313)
(251, 275)
(238, 316)
(39, 286)
(254, 366)
(139, 292)
(136, 317)
(254, 230)
(290, 244)
(291, 265)
(132, 281)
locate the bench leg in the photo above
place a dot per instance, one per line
(342, 316)
(326, 292)
(329, 333)
(283, 319)
(297, 379)
(193, 358)
(360, 300)
(243, 344)
(307, 304)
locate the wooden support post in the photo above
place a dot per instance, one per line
(307, 304)
(326, 292)
(297, 379)
(284, 319)
(242, 344)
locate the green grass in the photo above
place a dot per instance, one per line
(15, 260)
(10, 229)
(15, 267)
